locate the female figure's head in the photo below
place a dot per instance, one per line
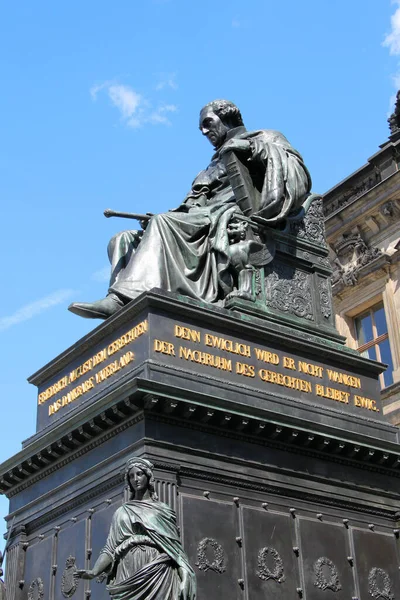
(140, 478)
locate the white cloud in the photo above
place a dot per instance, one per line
(95, 89)
(102, 275)
(392, 40)
(159, 115)
(135, 110)
(125, 99)
(167, 80)
(122, 97)
(35, 308)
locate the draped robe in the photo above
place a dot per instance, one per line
(145, 551)
(187, 250)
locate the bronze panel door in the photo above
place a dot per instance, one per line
(271, 569)
(70, 557)
(209, 529)
(324, 552)
(38, 569)
(377, 565)
(99, 528)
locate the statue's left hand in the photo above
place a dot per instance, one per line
(236, 145)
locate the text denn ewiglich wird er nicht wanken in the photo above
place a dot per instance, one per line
(207, 359)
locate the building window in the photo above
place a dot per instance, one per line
(373, 340)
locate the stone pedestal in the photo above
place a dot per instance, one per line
(268, 441)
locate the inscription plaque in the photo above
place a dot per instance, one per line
(274, 368)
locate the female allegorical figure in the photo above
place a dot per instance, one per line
(143, 556)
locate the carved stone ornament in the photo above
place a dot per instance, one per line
(321, 581)
(36, 590)
(348, 243)
(353, 254)
(357, 189)
(219, 563)
(324, 261)
(379, 584)
(257, 282)
(387, 210)
(68, 582)
(312, 226)
(289, 290)
(325, 297)
(263, 571)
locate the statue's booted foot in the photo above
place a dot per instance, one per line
(101, 309)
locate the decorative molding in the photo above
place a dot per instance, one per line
(74, 454)
(266, 438)
(325, 297)
(264, 571)
(388, 210)
(279, 490)
(352, 255)
(325, 262)
(361, 458)
(321, 582)
(289, 290)
(78, 501)
(346, 245)
(380, 589)
(36, 590)
(312, 227)
(351, 193)
(257, 282)
(219, 563)
(100, 439)
(93, 494)
(68, 582)
(98, 491)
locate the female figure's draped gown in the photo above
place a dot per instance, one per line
(146, 553)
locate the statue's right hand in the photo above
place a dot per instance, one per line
(84, 574)
(145, 222)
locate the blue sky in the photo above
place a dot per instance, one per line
(99, 108)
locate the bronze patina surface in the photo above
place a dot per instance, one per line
(196, 250)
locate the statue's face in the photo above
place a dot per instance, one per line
(138, 479)
(212, 127)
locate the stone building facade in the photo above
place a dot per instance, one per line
(362, 219)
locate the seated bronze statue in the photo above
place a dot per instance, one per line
(189, 250)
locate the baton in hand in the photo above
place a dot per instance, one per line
(113, 213)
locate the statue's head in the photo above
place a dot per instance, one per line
(217, 118)
(139, 476)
